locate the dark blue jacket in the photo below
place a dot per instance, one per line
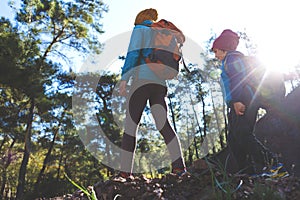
(234, 77)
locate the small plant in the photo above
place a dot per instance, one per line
(264, 192)
(227, 186)
(90, 193)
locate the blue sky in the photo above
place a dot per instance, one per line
(270, 24)
(4, 9)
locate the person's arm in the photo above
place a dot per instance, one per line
(236, 71)
(133, 53)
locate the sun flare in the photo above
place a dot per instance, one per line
(276, 63)
(278, 53)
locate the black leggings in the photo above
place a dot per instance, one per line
(138, 97)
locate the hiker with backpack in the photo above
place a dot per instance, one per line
(243, 101)
(145, 85)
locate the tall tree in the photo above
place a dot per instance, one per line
(48, 28)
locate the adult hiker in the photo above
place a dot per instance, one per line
(145, 86)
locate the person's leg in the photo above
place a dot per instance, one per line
(236, 143)
(136, 103)
(258, 153)
(262, 156)
(159, 112)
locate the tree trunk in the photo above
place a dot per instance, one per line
(3, 142)
(23, 168)
(217, 121)
(173, 114)
(60, 164)
(6, 165)
(46, 160)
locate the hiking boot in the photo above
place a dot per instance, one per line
(277, 171)
(123, 177)
(276, 168)
(281, 173)
(180, 172)
(273, 171)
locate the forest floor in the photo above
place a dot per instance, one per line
(202, 184)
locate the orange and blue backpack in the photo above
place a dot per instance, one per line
(166, 54)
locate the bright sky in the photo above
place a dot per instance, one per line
(272, 25)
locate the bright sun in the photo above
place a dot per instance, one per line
(272, 64)
(278, 54)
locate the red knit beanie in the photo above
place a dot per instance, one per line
(227, 41)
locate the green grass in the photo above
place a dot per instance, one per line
(89, 192)
(264, 192)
